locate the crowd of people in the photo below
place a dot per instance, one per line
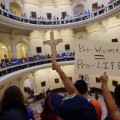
(17, 61)
(56, 20)
(4, 8)
(75, 106)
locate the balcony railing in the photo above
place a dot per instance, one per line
(11, 69)
(115, 6)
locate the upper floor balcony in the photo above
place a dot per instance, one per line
(13, 20)
(17, 69)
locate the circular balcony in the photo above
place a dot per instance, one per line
(12, 20)
(8, 73)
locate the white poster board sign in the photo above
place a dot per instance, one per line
(94, 58)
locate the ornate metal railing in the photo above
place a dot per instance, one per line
(38, 23)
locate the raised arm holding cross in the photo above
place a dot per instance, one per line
(53, 44)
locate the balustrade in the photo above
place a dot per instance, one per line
(7, 70)
(75, 19)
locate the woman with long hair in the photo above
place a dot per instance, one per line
(13, 104)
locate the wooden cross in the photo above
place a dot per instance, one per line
(53, 44)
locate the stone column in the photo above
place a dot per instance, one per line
(11, 42)
(29, 48)
(24, 3)
(1, 91)
(13, 47)
(35, 88)
(20, 84)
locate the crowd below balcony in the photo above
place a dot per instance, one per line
(56, 20)
(17, 61)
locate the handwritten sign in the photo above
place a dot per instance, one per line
(94, 58)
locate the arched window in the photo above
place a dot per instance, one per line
(4, 51)
(29, 86)
(15, 8)
(28, 83)
(22, 50)
(78, 9)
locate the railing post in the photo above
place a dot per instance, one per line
(106, 9)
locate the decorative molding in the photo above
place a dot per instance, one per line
(1, 87)
(2, 35)
(81, 35)
(33, 73)
(19, 78)
(18, 74)
(18, 24)
(104, 27)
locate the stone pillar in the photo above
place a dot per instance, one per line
(35, 88)
(24, 4)
(20, 84)
(29, 48)
(13, 47)
(1, 91)
(11, 42)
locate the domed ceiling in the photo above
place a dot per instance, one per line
(48, 1)
(51, 1)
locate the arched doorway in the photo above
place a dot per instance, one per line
(29, 83)
(78, 9)
(29, 88)
(15, 8)
(22, 50)
(4, 51)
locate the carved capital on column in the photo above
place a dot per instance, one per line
(40, 4)
(118, 16)
(13, 32)
(23, 2)
(11, 37)
(104, 26)
(10, 83)
(71, 3)
(33, 73)
(80, 36)
(1, 87)
(19, 79)
(28, 38)
(55, 5)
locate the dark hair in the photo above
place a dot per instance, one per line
(12, 95)
(117, 95)
(46, 113)
(81, 86)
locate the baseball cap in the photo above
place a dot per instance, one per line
(74, 107)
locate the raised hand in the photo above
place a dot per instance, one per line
(104, 78)
(56, 67)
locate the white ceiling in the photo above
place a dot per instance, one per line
(51, 1)
(48, 1)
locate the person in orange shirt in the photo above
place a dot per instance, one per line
(98, 109)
